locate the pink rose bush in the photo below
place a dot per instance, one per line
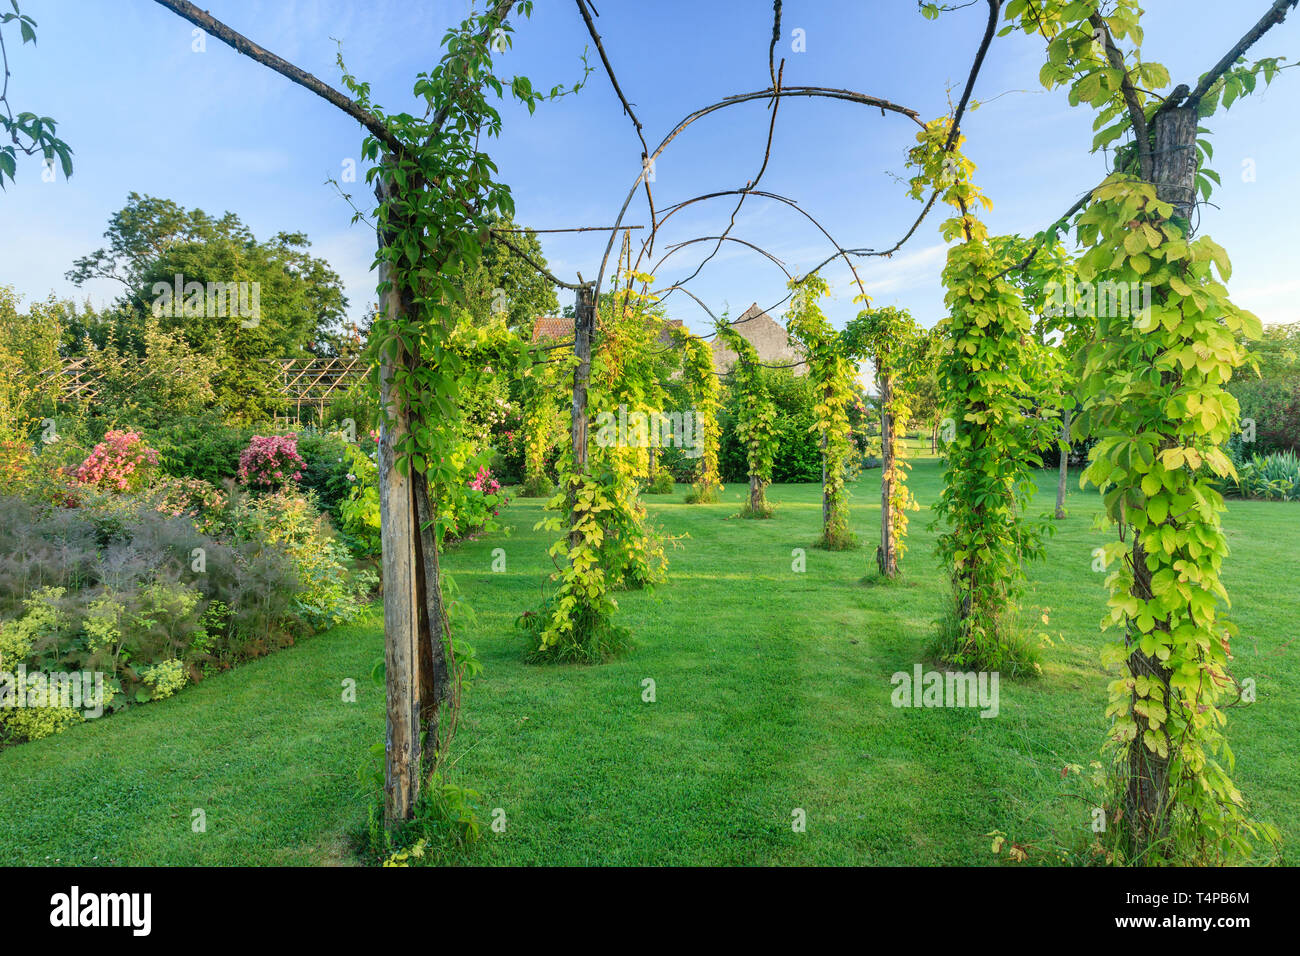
(484, 483)
(121, 462)
(271, 462)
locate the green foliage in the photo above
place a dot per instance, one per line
(755, 422)
(574, 625)
(330, 590)
(1155, 397)
(891, 339)
(606, 542)
(504, 286)
(127, 585)
(983, 370)
(662, 483)
(29, 346)
(798, 453)
(1273, 477)
(831, 368)
(299, 299)
(542, 425)
(702, 394)
(25, 132)
(1271, 406)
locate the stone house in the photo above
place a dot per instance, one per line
(769, 339)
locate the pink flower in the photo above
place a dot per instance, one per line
(266, 459)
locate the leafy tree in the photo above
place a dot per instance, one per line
(505, 285)
(297, 299)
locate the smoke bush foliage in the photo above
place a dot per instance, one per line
(147, 598)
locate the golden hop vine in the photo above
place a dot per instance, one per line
(831, 373)
(988, 479)
(891, 338)
(703, 393)
(606, 543)
(1154, 395)
(755, 419)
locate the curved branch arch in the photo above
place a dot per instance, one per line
(771, 93)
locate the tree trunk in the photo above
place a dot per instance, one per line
(1064, 478)
(887, 553)
(757, 496)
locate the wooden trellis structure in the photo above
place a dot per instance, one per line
(305, 383)
(317, 383)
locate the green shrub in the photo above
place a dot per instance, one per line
(200, 446)
(663, 483)
(798, 456)
(1272, 477)
(330, 588)
(330, 471)
(1273, 404)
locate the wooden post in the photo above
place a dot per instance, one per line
(401, 595)
(887, 553)
(1064, 477)
(1147, 790)
(416, 671)
(584, 328)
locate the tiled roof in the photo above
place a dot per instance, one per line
(555, 327)
(558, 328)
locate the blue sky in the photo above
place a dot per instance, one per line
(145, 112)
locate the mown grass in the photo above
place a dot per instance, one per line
(772, 695)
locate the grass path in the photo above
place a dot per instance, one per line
(772, 694)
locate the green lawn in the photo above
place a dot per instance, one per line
(772, 691)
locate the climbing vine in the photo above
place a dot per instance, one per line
(831, 373)
(539, 386)
(755, 419)
(437, 198)
(703, 397)
(988, 479)
(605, 542)
(891, 339)
(1154, 395)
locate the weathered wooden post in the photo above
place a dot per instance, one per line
(887, 554)
(401, 588)
(584, 329)
(417, 674)
(1173, 171)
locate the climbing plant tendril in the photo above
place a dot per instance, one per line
(703, 394)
